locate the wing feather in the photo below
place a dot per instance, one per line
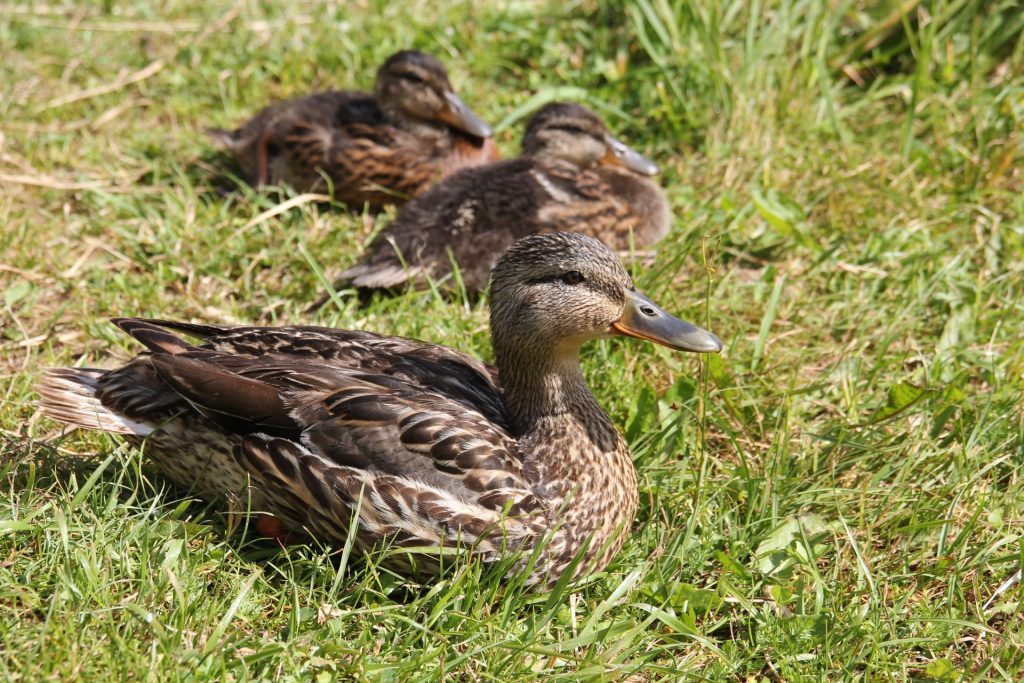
(384, 404)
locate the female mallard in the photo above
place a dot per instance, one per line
(421, 445)
(371, 149)
(573, 176)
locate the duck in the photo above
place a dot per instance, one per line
(369, 149)
(410, 446)
(573, 175)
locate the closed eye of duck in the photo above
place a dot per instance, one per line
(371, 149)
(422, 446)
(573, 175)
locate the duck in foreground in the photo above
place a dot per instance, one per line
(572, 176)
(422, 446)
(371, 149)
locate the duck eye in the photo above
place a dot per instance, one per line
(569, 128)
(413, 78)
(573, 277)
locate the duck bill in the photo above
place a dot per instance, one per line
(456, 114)
(621, 154)
(644, 319)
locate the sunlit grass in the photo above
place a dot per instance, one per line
(837, 497)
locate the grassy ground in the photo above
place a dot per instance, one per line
(838, 497)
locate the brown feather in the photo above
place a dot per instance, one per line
(216, 392)
(152, 337)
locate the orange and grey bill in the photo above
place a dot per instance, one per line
(644, 319)
(620, 154)
(456, 114)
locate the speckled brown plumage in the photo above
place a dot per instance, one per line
(370, 149)
(425, 447)
(573, 175)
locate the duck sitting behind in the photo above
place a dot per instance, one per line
(371, 149)
(572, 176)
(425, 446)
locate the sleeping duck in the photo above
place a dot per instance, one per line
(572, 176)
(420, 446)
(370, 149)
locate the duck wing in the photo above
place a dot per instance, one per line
(260, 147)
(617, 206)
(345, 136)
(386, 405)
(583, 201)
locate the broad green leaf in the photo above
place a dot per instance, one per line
(901, 396)
(772, 552)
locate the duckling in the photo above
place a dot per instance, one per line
(572, 176)
(423, 446)
(371, 150)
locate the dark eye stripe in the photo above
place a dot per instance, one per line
(569, 128)
(414, 78)
(556, 277)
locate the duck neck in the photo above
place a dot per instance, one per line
(559, 425)
(419, 128)
(543, 384)
(573, 455)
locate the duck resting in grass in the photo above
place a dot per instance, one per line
(371, 150)
(423, 446)
(572, 176)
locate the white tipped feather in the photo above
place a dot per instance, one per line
(69, 395)
(556, 193)
(384, 276)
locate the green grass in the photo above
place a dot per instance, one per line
(837, 497)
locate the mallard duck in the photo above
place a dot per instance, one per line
(423, 446)
(572, 175)
(370, 149)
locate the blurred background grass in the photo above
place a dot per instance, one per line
(838, 496)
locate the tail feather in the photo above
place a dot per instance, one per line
(380, 276)
(368, 277)
(69, 395)
(226, 139)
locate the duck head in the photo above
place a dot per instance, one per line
(571, 132)
(414, 85)
(552, 292)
